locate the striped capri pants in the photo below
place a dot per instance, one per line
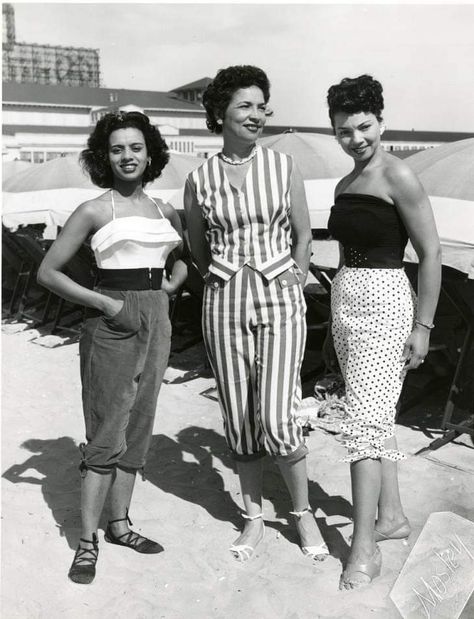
(255, 332)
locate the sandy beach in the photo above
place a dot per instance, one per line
(190, 502)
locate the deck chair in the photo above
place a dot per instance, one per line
(318, 304)
(15, 266)
(32, 298)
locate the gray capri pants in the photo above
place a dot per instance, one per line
(123, 360)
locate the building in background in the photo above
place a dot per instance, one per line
(401, 143)
(41, 122)
(31, 63)
(193, 92)
(52, 98)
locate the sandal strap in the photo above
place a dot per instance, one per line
(81, 557)
(94, 541)
(260, 515)
(132, 538)
(81, 553)
(302, 512)
(130, 523)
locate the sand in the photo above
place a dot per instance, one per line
(190, 502)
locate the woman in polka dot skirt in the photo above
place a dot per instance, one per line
(379, 331)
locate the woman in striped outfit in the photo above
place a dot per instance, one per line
(250, 237)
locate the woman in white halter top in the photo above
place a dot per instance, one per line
(125, 340)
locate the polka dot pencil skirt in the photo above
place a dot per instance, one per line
(373, 314)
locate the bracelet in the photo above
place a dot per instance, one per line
(422, 324)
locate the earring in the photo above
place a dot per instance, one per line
(219, 121)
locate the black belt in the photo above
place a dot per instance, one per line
(130, 279)
(373, 257)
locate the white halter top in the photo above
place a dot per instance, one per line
(134, 242)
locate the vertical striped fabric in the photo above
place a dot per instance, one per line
(249, 225)
(255, 335)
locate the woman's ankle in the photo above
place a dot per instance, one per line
(391, 518)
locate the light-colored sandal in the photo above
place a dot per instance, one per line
(316, 553)
(243, 552)
(371, 569)
(400, 531)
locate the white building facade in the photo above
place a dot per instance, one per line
(41, 122)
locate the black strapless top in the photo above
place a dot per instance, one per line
(370, 230)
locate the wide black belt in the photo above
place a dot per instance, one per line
(130, 279)
(356, 257)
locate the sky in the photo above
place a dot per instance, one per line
(422, 54)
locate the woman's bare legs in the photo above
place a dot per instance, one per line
(119, 499)
(296, 479)
(366, 478)
(95, 487)
(251, 481)
(390, 510)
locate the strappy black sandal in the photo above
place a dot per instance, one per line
(82, 570)
(131, 539)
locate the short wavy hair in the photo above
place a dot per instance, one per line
(353, 95)
(218, 94)
(95, 158)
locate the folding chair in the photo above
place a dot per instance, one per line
(32, 298)
(16, 264)
(318, 302)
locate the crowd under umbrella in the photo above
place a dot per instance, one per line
(48, 193)
(321, 162)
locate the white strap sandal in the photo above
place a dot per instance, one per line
(243, 552)
(316, 553)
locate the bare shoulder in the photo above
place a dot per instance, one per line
(340, 185)
(168, 211)
(94, 212)
(396, 170)
(403, 184)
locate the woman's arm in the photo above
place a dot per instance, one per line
(300, 224)
(196, 230)
(77, 229)
(415, 209)
(179, 270)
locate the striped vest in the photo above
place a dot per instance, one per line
(249, 225)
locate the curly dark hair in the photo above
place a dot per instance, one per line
(95, 158)
(353, 95)
(218, 94)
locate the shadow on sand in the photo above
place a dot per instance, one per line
(56, 462)
(200, 482)
(197, 480)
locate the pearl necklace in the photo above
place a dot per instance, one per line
(240, 161)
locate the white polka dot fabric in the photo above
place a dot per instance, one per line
(373, 313)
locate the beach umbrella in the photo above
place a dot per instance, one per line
(447, 174)
(316, 155)
(67, 173)
(48, 193)
(9, 168)
(175, 173)
(446, 170)
(59, 173)
(321, 162)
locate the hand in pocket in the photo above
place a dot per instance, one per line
(112, 307)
